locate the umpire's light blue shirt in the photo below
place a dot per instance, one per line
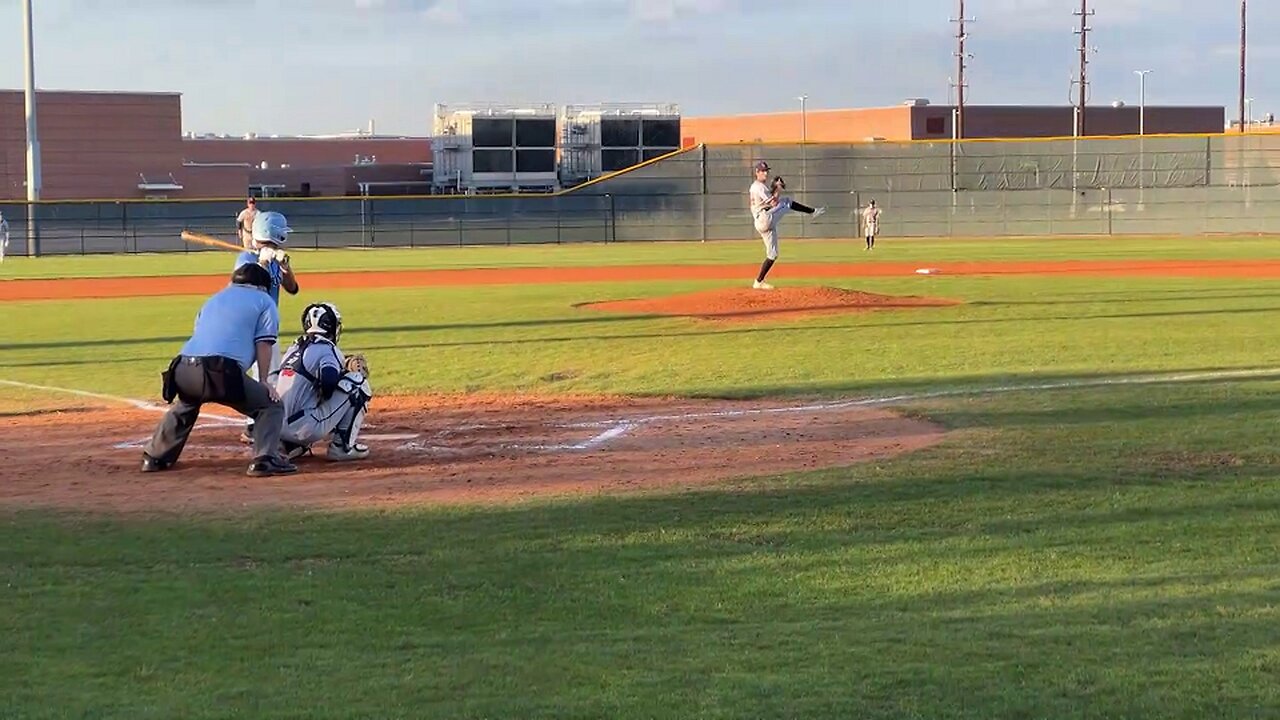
(273, 268)
(232, 322)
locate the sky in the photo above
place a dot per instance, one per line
(322, 66)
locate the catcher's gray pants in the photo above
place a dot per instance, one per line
(215, 379)
(766, 223)
(341, 415)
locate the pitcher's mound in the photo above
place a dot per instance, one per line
(751, 304)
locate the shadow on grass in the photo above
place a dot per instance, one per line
(959, 591)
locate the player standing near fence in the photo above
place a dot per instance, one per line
(871, 224)
(767, 208)
(4, 236)
(269, 235)
(244, 222)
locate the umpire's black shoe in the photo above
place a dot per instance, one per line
(269, 465)
(150, 464)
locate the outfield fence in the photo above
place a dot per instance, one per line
(1097, 186)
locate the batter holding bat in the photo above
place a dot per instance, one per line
(767, 208)
(269, 235)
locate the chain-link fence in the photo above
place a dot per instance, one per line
(1136, 185)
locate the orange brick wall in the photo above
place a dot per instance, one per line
(892, 123)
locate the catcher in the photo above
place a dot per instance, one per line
(324, 392)
(767, 208)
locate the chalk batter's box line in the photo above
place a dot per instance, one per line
(619, 427)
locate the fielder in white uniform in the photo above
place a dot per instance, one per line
(4, 236)
(321, 398)
(767, 208)
(871, 223)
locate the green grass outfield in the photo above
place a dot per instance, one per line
(1099, 552)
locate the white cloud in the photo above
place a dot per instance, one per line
(671, 10)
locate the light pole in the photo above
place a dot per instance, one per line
(1142, 100)
(1248, 112)
(1244, 13)
(33, 141)
(804, 142)
(804, 119)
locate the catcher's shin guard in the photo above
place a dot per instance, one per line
(347, 433)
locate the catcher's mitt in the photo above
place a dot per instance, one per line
(357, 363)
(779, 184)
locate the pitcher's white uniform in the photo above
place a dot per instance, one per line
(765, 215)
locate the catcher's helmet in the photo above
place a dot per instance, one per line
(322, 319)
(251, 273)
(271, 227)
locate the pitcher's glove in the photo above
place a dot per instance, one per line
(779, 184)
(356, 363)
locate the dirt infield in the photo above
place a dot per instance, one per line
(443, 450)
(745, 304)
(73, 288)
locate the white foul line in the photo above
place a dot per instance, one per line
(139, 404)
(619, 427)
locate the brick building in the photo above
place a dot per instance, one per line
(119, 145)
(926, 122)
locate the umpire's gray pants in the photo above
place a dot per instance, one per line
(198, 384)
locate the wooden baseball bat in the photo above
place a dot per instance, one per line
(209, 240)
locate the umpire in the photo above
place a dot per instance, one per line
(236, 327)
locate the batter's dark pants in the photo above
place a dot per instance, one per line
(192, 381)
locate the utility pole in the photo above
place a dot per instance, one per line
(1244, 12)
(1084, 12)
(962, 64)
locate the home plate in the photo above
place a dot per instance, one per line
(927, 271)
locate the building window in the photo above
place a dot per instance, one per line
(935, 126)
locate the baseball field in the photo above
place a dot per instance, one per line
(611, 481)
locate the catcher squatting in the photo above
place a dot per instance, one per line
(318, 392)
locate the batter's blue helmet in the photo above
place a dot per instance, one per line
(271, 227)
